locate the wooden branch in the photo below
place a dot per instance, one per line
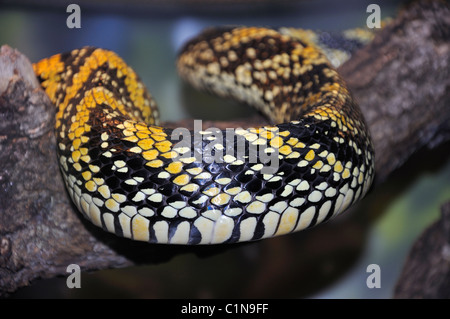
(401, 81)
(426, 273)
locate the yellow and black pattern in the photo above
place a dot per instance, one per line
(131, 178)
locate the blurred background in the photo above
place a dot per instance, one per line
(328, 261)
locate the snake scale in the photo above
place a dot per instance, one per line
(134, 178)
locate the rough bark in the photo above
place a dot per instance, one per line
(401, 81)
(426, 273)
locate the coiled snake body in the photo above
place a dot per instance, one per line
(135, 179)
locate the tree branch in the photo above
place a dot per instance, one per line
(401, 81)
(426, 273)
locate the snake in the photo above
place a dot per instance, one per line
(138, 180)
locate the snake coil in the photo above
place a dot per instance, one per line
(132, 177)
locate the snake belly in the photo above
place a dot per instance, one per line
(134, 178)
